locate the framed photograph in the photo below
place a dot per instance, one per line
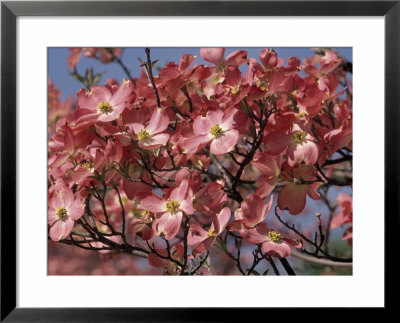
(211, 139)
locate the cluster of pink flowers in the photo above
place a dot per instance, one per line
(56, 108)
(196, 155)
(104, 55)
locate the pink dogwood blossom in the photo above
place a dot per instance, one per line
(63, 211)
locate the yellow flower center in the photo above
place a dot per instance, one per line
(145, 215)
(274, 236)
(105, 107)
(172, 206)
(210, 233)
(143, 134)
(216, 131)
(235, 90)
(62, 213)
(298, 135)
(88, 164)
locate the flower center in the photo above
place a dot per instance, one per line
(145, 215)
(235, 90)
(210, 233)
(172, 206)
(301, 115)
(298, 135)
(274, 236)
(88, 164)
(216, 131)
(143, 134)
(62, 213)
(105, 107)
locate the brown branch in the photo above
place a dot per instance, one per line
(317, 248)
(151, 78)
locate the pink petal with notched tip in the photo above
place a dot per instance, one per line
(136, 127)
(153, 204)
(233, 76)
(203, 124)
(236, 58)
(60, 159)
(203, 246)
(68, 140)
(75, 209)
(180, 193)
(210, 195)
(182, 174)
(79, 175)
(185, 61)
(266, 164)
(228, 122)
(169, 72)
(269, 58)
(104, 117)
(221, 219)
(252, 208)
(281, 248)
(292, 197)
(225, 143)
(169, 224)
(196, 234)
(266, 209)
(193, 144)
(306, 152)
(123, 93)
(212, 55)
(265, 186)
(292, 243)
(146, 233)
(276, 142)
(312, 70)
(51, 215)
(253, 236)
(158, 122)
(313, 96)
(65, 198)
(154, 142)
(91, 99)
(132, 188)
(330, 67)
(311, 191)
(187, 204)
(61, 229)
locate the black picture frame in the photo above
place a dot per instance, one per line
(10, 10)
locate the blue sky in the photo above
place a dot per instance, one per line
(59, 73)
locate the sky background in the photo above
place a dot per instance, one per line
(59, 73)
